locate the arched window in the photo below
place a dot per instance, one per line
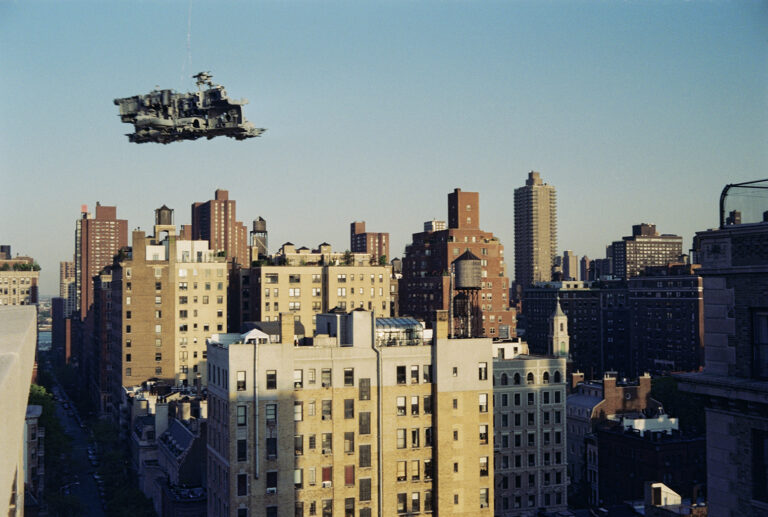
(557, 377)
(545, 378)
(517, 378)
(530, 378)
(504, 379)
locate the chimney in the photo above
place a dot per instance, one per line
(440, 325)
(161, 418)
(576, 379)
(287, 327)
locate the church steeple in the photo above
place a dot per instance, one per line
(559, 342)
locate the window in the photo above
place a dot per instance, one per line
(242, 449)
(158, 356)
(760, 345)
(402, 475)
(365, 489)
(241, 380)
(311, 376)
(483, 402)
(349, 408)
(516, 379)
(327, 505)
(326, 377)
(415, 438)
(482, 371)
(428, 500)
(415, 405)
(327, 444)
(400, 406)
(531, 399)
(415, 374)
(158, 328)
(271, 379)
(364, 456)
(298, 379)
(298, 444)
(529, 378)
(242, 484)
(298, 478)
(427, 373)
(427, 437)
(349, 443)
(401, 374)
(484, 466)
(415, 470)
(271, 413)
(349, 502)
(298, 411)
(483, 498)
(364, 388)
(127, 358)
(760, 465)
(455, 371)
(483, 434)
(327, 410)
(241, 415)
(401, 438)
(402, 502)
(312, 442)
(427, 404)
(415, 502)
(365, 422)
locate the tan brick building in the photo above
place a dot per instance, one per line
(18, 281)
(374, 418)
(167, 296)
(309, 283)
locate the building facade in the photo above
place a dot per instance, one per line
(644, 248)
(535, 231)
(375, 244)
(307, 283)
(530, 432)
(428, 261)
(167, 297)
(98, 238)
(734, 266)
(216, 221)
(18, 281)
(373, 419)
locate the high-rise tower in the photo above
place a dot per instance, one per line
(97, 241)
(215, 221)
(535, 231)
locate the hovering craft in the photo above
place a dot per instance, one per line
(165, 116)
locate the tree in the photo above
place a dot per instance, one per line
(382, 260)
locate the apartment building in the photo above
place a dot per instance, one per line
(376, 417)
(644, 248)
(18, 281)
(426, 284)
(530, 434)
(305, 284)
(373, 243)
(167, 296)
(216, 221)
(535, 231)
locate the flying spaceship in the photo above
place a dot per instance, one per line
(165, 116)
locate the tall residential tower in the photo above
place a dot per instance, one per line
(535, 231)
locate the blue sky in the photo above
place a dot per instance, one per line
(635, 111)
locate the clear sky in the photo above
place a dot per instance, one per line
(635, 111)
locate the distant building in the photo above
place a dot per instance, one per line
(644, 248)
(584, 266)
(97, 240)
(594, 403)
(307, 282)
(5, 252)
(18, 281)
(434, 226)
(571, 266)
(34, 459)
(426, 283)
(535, 232)
(734, 383)
(381, 419)
(167, 297)
(68, 287)
(635, 450)
(216, 221)
(375, 244)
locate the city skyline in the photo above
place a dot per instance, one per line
(635, 113)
